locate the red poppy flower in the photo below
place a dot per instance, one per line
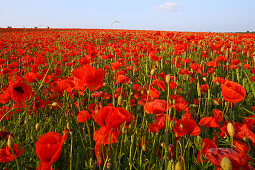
(110, 118)
(232, 92)
(6, 153)
(20, 91)
(154, 93)
(238, 159)
(156, 107)
(204, 88)
(209, 122)
(49, 148)
(218, 115)
(206, 144)
(88, 76)
(250, 121)
(160, 123)
(160, 84)
(83, 116)
(186, 126)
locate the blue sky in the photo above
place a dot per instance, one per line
(170, 15)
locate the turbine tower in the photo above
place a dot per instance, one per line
(114, 22)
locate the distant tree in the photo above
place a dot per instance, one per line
(9, 27)
(248, 31)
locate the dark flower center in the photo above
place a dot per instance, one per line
(19, 89)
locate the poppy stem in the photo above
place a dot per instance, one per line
(71, 150)
(16, 160)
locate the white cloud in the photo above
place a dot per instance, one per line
(169, 6)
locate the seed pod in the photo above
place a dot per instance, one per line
(231, 129)
(226, 164)
(10, 141)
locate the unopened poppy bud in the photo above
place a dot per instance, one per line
(54, 104)
(163, 145)
(172, 124)
(153, 71)
(246, 139)
(178, 166)
(142, 91)
(120, 100)
(231, 129)
(68, 126)
(204, 78)
(168, 79)
(10, 141)
(181, 125)
(37, 126)
(225, 164)
(104, 84)
(216, 102)
(144, 147)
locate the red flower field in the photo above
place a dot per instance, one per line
(126, 99)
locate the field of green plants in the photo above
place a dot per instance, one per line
(126, 99)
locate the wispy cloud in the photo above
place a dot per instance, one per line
(169, 6)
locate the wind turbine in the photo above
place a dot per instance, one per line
(114, 22)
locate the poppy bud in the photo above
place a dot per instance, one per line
(178, 166)
(181, 125)
(231, 129)
(153, 71)
(68, 126)
(10, 141)
(144, 147)
(172, 124)
(37, 126)
(216, 102)
(204, 78)
(120, 100)
(142, 91)
(168, 78)
(225, 164)
(246, 139)
(163, 145)
(54, 104)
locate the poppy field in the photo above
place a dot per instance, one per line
(126, 99)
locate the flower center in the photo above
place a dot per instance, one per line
(19, 89)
